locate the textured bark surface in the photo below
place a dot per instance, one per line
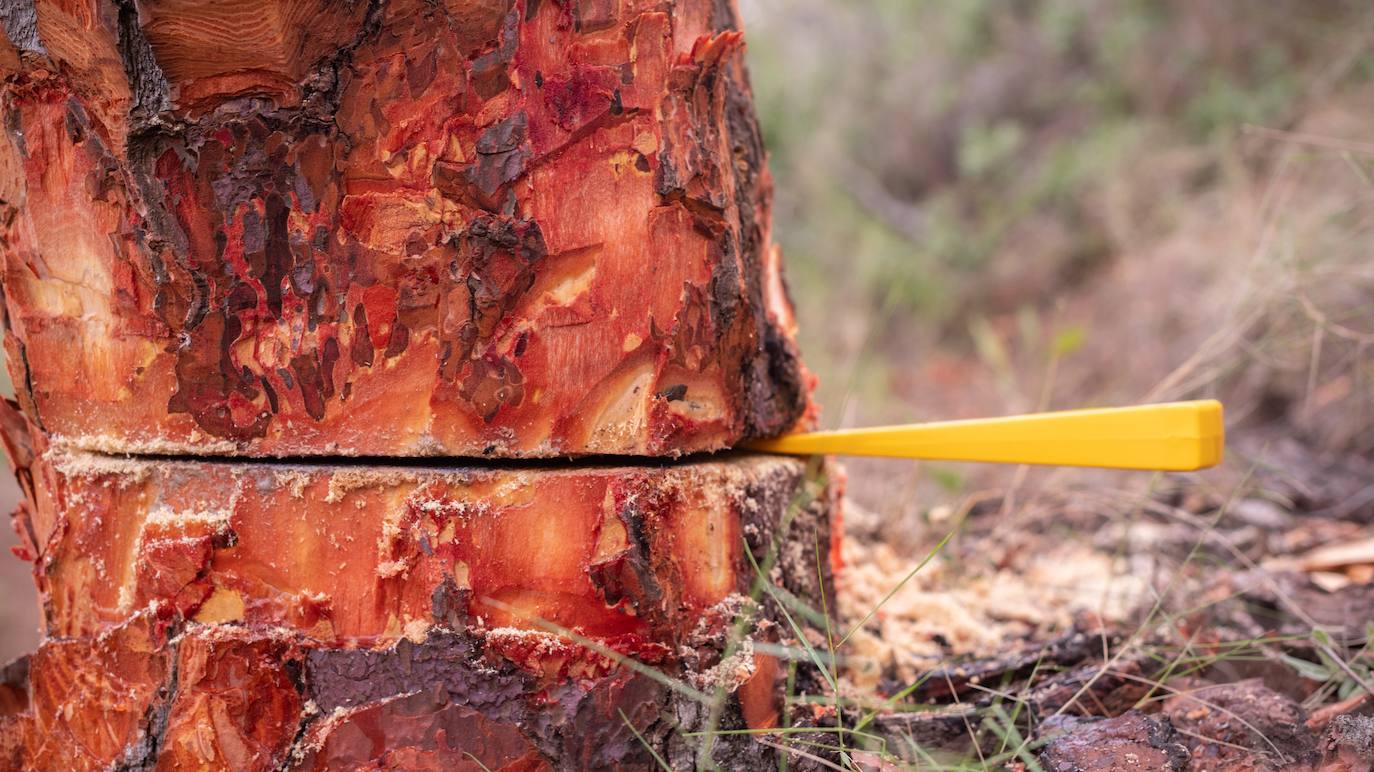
(365, 554)
(479, 227)
(250, 615)
(1132, 740)
(154, 694)
(512, 229)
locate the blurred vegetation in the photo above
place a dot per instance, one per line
(1000, 206)
(938, 163)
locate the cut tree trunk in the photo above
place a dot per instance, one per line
(249, 615)
(362, 555)
(241, 241)
(221, 697)
(480, 227)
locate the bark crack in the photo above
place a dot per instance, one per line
(19, 19)
(148, 84)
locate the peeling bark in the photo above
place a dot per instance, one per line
(153, 694)
(242, 241)
(252, 614)
(366, 554)
(479, 228)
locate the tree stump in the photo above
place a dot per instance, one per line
(336, 330)
(249, 615)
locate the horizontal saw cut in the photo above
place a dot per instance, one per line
(364, 554)
(369, 356)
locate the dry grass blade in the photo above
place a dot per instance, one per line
(828, 764)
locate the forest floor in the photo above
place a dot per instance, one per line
(1064, 619)
(1188, 625)
(1069, 205)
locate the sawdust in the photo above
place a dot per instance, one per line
(156, 446)
(731, 672)
(968, 608)
(163, 515)
(76, 463)
(345, 481)
(293, 480)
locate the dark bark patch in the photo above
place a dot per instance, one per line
(1133, 740)
(594, 15)
(774, 382)
(674, 393)
(502, 154)
(146, 80)
(19, 21)
(449, 661)
(307, 374)
(360, 350)
(490, 71)
(628, 576)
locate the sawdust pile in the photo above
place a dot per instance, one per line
(974, 606)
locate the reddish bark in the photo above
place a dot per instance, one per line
(485, 227)
(390, 228)
(252, 615)
(224, 697)
(363, 555)
(1129, 740)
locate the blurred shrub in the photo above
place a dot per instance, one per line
(937, 160)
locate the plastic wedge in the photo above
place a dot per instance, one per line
(1175, 436)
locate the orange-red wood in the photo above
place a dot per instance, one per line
(207, 615)
(370, 555)
(393, 228)
(481, 228)
(149, 694)
(367, 554)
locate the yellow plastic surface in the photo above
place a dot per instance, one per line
(1176, 436)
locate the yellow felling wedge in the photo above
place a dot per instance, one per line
(1175, 436)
